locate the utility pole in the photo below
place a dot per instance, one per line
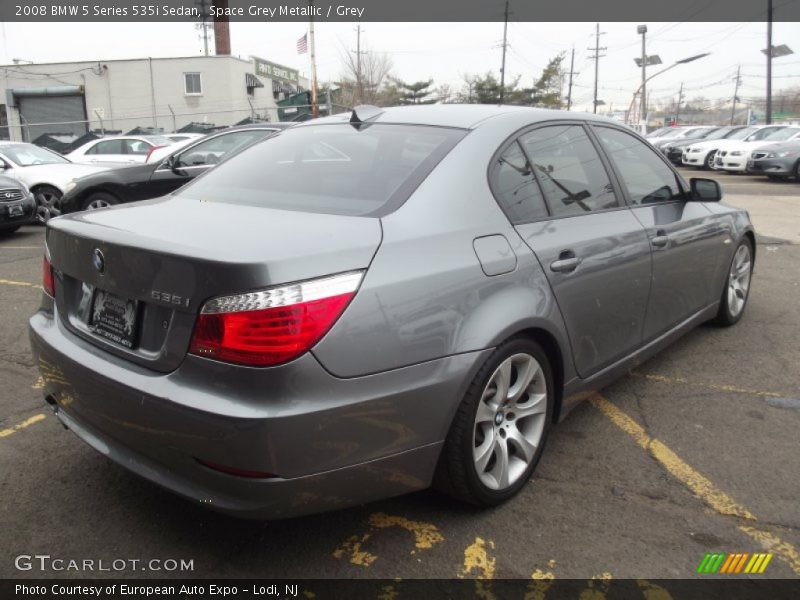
(769, 62)
(735, 93)
(642, 29)
(503, 65)
(359, 80)
(678, 108)
(314, 103)
(596, 56)
(203, 9)
(571, 73)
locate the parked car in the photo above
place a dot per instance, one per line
(687, 133)
(702, 154)
(17, 205)
(239, 342)
(673, 150)
(671, 133)
(140, 182)
(734, 156)
(777, 161)
(44, 172)
(118, 149)
(183, 137)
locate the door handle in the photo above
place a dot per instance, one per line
(566, 263)
(661, 239)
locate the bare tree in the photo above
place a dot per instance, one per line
(366, 86)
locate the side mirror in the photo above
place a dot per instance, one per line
(705, 190)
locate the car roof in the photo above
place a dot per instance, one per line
(464, 116)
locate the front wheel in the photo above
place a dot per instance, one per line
(100, 200)
(48, 203)
(737, 285)
(499, 431)
(709, 162)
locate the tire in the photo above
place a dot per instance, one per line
(464, 471)
(708, 163)
(99, 200)
(797, 171)
(48, 202)
(736, 290)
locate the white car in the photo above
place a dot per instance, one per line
(702, 154)
(734, 157)
(670, 133)
(44, 172)
(182, 137)
(119, 149)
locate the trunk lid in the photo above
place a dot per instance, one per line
(168, 256)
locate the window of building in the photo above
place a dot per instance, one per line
(192, 84)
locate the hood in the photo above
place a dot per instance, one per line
(793, 146)
(123, 174)
(58, 175)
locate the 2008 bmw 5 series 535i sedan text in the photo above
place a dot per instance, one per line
(368, 304)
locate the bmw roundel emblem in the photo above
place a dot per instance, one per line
(98, 260)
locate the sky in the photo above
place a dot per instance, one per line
(446, 52)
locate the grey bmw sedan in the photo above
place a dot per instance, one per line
(369, 304)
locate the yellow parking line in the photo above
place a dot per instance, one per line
(700, 485)
(26, 423)
(19, 283)
(710, 386)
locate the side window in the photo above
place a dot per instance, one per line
(212, 151)
(643, 173)
(515, 187)
(107, 147)
(136, 147)
(570, 171)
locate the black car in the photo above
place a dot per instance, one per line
(150, 180)
(17, 206)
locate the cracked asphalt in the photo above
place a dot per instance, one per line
(696, 451)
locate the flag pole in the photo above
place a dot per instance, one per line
(314, 102)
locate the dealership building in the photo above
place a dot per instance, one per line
(162, 94)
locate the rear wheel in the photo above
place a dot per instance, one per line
(500, 428)
(48, 202)
(737, 285)
(100, 200)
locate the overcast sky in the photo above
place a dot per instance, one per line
(447, 51)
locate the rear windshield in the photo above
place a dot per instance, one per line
(341, 169)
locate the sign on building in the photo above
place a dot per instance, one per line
(275, 71)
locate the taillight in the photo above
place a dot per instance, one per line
(274, 325)
(149, 152)
(48, 281)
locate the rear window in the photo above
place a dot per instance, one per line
(338, 169)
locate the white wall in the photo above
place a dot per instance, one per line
(141, 92)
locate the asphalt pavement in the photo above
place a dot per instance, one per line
(694, 452)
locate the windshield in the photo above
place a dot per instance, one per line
(671, 133)
(760, 134)
(742, 133)
(782, 134)
(657, 132)
(25, 155)
(720, 133)
(336, 169)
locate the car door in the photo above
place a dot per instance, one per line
(684, 237)
(594, 252)
(183, 166)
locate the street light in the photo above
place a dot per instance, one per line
(642, 87)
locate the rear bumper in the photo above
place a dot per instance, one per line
(329, 442)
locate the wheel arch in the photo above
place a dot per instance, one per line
(551, 347)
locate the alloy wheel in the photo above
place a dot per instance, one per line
(47, 205)
(739, 280)
(509, 422)
(98, 203)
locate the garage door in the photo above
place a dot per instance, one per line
(56, 114)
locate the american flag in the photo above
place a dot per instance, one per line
(302, 44)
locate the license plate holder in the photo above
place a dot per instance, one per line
(15, 210)
(114, 318)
